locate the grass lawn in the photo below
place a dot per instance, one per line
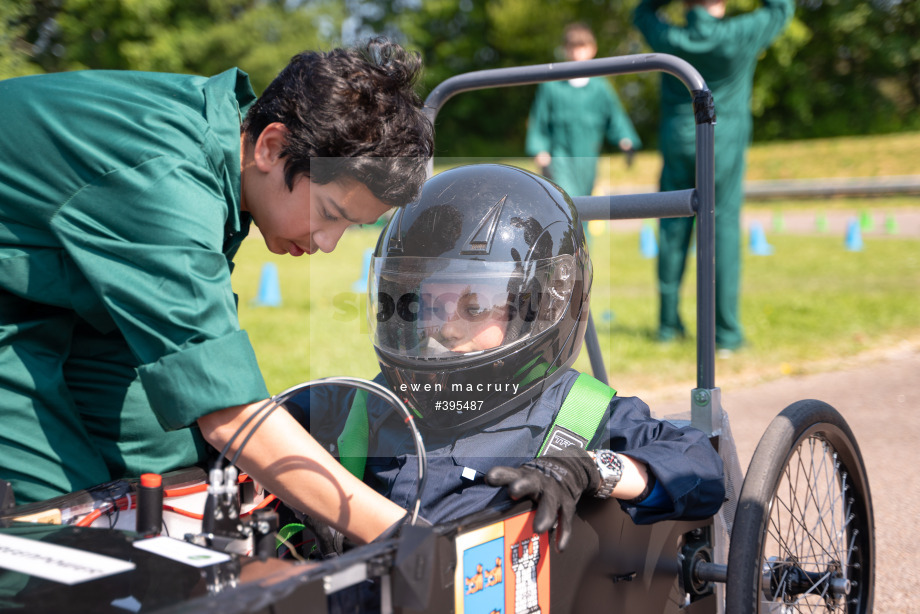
(808, 304)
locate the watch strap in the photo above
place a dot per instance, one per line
(610, 467)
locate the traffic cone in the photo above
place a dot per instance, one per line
(648, 246)
(891, 224)
(269, 289)
(821, 222)
(854, 242)
(758, 241)
(866, 221)
(361, 284)
(779, 224)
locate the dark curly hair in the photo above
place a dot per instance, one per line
(351, 113)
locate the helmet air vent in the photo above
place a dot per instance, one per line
(480, 242)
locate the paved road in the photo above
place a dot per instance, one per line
(879, 396)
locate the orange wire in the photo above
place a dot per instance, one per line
(187, 490)
(262, 504)
(89, 518)
(182, 512)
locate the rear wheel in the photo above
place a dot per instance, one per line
(803, 539)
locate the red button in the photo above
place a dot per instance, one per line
(151, 480)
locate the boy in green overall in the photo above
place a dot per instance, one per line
(569, 121)
(124, 197)
(724, 50)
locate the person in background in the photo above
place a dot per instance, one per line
(724, 50)
(124, 197)
(569, 121)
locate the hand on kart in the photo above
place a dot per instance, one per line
(330, 542)
(555, 482)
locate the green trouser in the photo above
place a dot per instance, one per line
(74, 412)
(674, 242)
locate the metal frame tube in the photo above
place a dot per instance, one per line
(679, 203)
(523, 75)
(706, 256)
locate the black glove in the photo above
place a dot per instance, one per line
(329, 541)
(555, 482)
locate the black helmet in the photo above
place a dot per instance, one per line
(478, 294)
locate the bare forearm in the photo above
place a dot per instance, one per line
(293, 466)
(633, 481)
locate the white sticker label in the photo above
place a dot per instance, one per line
(468, 474)
(182, 551)
(56, 563)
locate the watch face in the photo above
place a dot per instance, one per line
(611, 469)
(607, 458)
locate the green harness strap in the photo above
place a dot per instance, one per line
(354, 438)
(580, 416)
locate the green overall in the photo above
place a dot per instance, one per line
(119, 219)
(570, 123)
(725, 52)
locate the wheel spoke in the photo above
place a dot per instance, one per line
(807, 526)
(805, 536)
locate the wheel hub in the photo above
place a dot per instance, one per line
(784, 579)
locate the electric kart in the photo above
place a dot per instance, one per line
(796, 535)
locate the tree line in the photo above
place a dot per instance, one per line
(843, 67)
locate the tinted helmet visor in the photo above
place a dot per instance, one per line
(437, 309)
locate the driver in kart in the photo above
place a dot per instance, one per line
(478, 301)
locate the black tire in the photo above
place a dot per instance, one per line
(804, 531)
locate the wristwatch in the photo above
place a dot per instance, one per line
(611, 469)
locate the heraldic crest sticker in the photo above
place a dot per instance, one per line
(503, 568)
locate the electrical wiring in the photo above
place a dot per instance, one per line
(182, 512)
(111, 507)
(263, 503)
(292, 549)
(89, 519)
(187, 490)
(194, 488)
